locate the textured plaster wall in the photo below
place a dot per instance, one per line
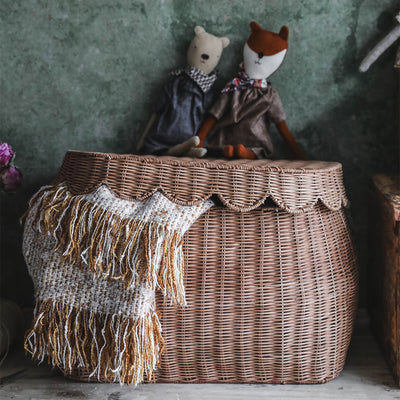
(81, 74)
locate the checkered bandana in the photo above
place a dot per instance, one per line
(204, 81)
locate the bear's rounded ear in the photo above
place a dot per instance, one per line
(198, 30)
(224, 41)
(255, 27)
(284, 33)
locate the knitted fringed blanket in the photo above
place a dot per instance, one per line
(96, 262)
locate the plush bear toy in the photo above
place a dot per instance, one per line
(239, 120)
(184, 100)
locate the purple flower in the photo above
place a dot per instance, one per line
(11, 178)
(6, 154)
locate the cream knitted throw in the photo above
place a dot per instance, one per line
(96, 262)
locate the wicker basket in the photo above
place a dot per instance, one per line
(271, 278)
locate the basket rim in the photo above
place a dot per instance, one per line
(241, 185)
(288, 166)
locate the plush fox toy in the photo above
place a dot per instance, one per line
(239, 120)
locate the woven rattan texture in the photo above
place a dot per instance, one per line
(242, 185)
(271, 299)
(271, 292)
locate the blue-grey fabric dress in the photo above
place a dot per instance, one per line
(181, 109)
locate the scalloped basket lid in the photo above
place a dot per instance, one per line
(242, 185)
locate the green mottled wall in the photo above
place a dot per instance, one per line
(81, 74)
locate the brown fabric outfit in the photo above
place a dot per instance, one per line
(243, 117)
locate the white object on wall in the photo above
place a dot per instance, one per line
(383, 45)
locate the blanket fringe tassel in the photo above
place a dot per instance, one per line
(111, 246)
(85, 344)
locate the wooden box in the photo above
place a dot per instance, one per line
(384, 271)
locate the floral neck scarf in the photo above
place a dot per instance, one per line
(244, 81)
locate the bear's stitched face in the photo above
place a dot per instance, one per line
(205, 50)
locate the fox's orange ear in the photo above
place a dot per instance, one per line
(284, 33)
(255, 27)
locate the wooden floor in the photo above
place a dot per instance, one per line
(365, 376)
